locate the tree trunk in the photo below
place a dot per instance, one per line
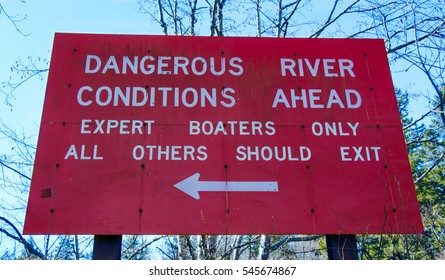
(182, 248)
(264, 251)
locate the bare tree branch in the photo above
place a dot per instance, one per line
(143, 247)
(24, 72)
(14, 20)
(416, 40)
(290, 239)
(431, 168)
(16, 235)
(421, 118)
(331, 21)
(14, 170)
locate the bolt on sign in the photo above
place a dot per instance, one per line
(211, 135)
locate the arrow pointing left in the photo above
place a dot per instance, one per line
(192, 186)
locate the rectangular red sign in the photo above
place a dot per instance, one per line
(211, 135)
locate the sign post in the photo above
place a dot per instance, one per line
(342, 247)
(209, 135)
(107, 247)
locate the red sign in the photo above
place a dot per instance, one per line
(199, 135)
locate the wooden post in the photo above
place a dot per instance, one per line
(342, 247)
(107, 247)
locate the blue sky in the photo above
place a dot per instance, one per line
(41, 20)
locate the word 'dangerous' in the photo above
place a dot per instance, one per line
(164, 65)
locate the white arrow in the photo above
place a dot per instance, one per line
(192, 186)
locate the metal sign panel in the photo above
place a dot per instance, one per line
(198, 135)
